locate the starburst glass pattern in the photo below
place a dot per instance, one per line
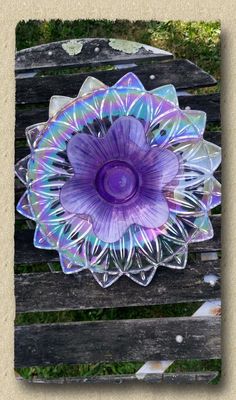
(119, 180)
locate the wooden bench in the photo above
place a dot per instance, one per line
(153, 341)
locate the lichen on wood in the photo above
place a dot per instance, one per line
(73, 47)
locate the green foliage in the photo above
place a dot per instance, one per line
(84, 370)
(155, 311)
(197, 41)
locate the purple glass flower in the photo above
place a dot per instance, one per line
(118, 180)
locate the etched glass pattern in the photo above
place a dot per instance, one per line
(119, 180)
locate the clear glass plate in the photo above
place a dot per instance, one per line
(120, 180)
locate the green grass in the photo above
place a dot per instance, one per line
(155, 311)
(117, 368)
(84, 370)
(200, 43)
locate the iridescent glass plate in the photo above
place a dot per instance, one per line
(120, 180)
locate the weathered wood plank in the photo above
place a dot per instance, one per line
(208, 103)
(85, 52)
(117, 340)
(26, 253)
(213, 137)
(57, 292)
(174, 377)
(181, 73)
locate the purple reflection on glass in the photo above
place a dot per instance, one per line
(117, 182)
(118, 179)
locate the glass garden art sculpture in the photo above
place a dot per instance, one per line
(119, 180)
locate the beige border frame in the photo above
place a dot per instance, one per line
(12, 12)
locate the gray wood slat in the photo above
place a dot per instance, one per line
(209, 103)
(26, 253)
(95, 51)
(181, 73)
(117, 340)
(48, 291)
(174, 377)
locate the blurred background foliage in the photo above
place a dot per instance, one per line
(200, 43)
(197, 41)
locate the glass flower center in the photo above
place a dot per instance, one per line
(117, 182)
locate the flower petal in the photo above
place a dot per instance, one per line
(178, 260)
(177, 126)
(129, 80)
(167, 92)
(159, 167)
(68, 267)
(72, 238)
(143, 276)
(90, 84)
(173, 238)
(86, 153)
(23, 206)
(56, 103)
(106, 278)
(198, 227)
(32, 133)
(49, 161)
(21, 169)
(123, 140)
(48, 185)
(122, 251)
(110, 223)
(202, 157)
(125, 136)
(96, 252)
(78, 195)
(40, 240)
(147, 244)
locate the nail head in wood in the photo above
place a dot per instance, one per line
(179, 338)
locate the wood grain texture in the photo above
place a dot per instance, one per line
(48, 291)
(117, 340)
(176, 378)
(57, 54)
(183, 74)
(208, 103)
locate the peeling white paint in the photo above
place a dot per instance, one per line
(73, 47)
(211, 279)
(152, 367)
(208, 308)
(209, 256)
